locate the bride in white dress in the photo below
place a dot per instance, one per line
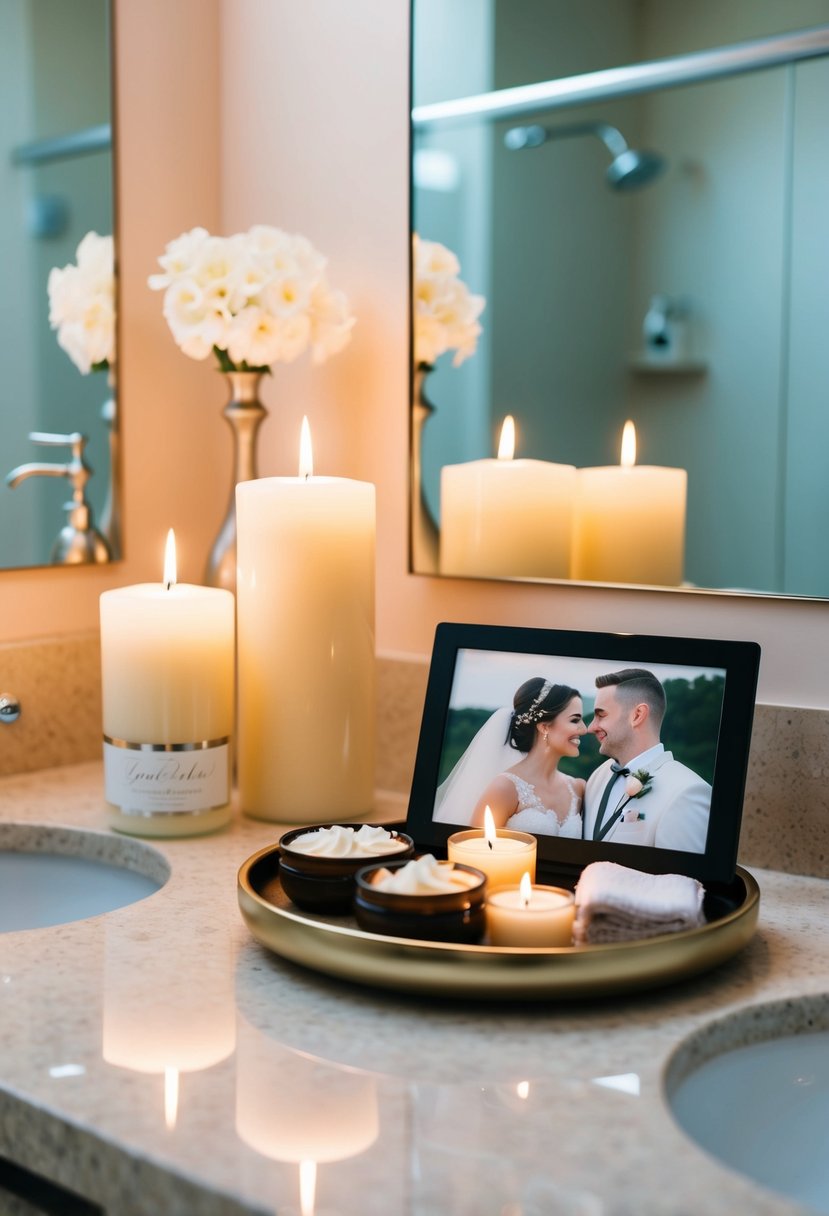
(531, 795)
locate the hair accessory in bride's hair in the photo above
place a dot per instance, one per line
(533, 714)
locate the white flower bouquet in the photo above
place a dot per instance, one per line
(445, 311)
(82, 305)
(255, 298)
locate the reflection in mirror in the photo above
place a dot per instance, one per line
(651, 246)
(58, 426)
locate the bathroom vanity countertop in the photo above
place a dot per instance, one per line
(432, 1107)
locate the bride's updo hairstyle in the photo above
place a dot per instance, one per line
(537, 700)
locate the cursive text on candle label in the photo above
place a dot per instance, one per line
(145, 781)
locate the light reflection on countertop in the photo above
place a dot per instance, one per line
(157, 1059)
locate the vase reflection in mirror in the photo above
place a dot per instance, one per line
(425, 534)
(444, 317)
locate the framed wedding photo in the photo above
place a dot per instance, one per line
(605, 746)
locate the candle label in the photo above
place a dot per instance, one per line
(166, 779)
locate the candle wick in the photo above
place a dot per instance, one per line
(489, 842)
(168, 585)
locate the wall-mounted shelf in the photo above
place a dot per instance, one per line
(641, 365)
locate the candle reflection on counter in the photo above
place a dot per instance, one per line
(185, 1027)
(332, 1113)
(307, 1187)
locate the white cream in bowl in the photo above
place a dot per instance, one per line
(340, 841)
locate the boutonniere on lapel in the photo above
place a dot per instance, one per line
(637, 785)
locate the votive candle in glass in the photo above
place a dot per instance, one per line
(527, 915)
(503, 859)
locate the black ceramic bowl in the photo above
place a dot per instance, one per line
(452, 916)
(326, 884)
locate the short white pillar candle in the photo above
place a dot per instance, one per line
(167, 686)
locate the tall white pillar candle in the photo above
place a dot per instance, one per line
(167, 685)
(506, 517)
(305, 591)
(630, 522)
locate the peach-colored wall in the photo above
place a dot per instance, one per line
(168, 175)
(315, 140)
(313, 124)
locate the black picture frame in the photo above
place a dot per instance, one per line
(562, 858)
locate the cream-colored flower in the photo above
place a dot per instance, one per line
(257, 297)
(445, 311)
(633, 787)
(179, 257)
(331, 323)
(82, 304)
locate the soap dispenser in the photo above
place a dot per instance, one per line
(78, 542)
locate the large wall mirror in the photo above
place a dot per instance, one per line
(58, 418)
(648, 227)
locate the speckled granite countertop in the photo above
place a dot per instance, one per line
(92, 1012)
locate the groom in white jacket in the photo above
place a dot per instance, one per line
(641, 795)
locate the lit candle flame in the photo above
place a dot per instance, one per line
(628, 445)
(170, 1097)
(506, 448)
(523, 1090)
(489, 827)
(307, 1187)
(525, 889)
(306, 454)
(170, 560)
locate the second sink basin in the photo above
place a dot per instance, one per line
(753, 1090)
(52, 875)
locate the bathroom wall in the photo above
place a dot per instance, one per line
(314, 137)
(561, 279)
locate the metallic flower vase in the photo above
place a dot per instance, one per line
(244, 413)
(110, 524)
(425, 536)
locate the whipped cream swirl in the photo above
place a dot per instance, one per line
(338, 841)
(424, 876)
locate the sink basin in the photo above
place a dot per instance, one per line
(753, 1090)
(53, 875)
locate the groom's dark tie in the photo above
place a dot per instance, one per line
(616, 770)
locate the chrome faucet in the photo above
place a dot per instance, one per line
(78, 542)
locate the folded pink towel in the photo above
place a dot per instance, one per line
(617, 904)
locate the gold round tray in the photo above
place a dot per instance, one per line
(335, 947)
